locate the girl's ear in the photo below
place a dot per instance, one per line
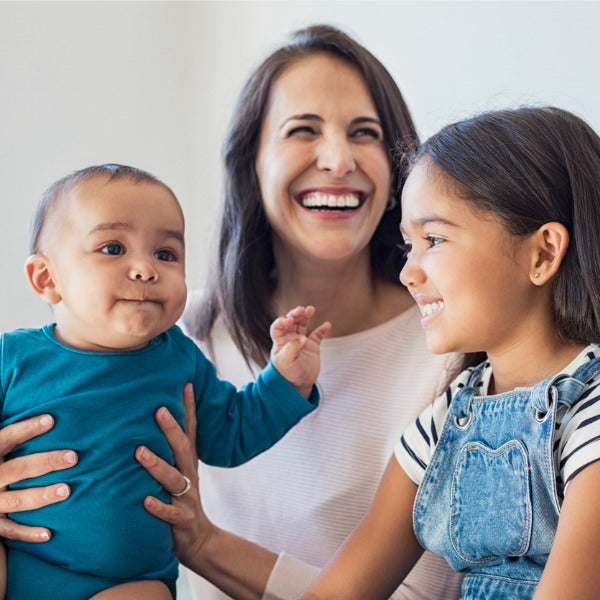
(550, 241)
(41, 279)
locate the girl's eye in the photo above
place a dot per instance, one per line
(114, 249)
(434, 240)
(165, 255)
(405, 248)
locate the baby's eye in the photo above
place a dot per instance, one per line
(114, 249)
(165, 255)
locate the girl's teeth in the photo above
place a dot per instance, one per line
(429, 309)
(318, 200)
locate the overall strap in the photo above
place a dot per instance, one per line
(563, 389)
(461, 403)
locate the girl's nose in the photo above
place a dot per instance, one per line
(411, 273)
(336, 157)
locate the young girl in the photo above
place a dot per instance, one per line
(500, 475)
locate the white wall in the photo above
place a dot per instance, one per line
(153, 84)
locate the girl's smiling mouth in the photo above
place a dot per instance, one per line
(431, 308)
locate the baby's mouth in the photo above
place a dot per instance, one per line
(324, 201)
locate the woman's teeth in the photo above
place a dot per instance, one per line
(429, 309)
(335, 201)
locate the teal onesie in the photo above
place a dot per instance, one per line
(104, 406)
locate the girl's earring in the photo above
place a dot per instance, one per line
(391, 203)
(537, 275)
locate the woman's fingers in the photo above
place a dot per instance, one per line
(34, 465)
(174, 515)
(30, 499)
(14, 531)
(169, 477)
(17, 433)
(20, 500)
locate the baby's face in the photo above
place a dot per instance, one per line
(118, 259)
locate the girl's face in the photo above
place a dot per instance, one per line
(468, 275)
(322, 162)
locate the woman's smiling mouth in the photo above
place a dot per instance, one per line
(329, 201)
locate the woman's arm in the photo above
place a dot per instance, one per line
(572, 571)
(382, 549)
(238, 567)
(26, 467)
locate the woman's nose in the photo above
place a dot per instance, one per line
(336, 156)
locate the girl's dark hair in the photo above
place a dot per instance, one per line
(244, 279)
(531, 166)
(58, 190)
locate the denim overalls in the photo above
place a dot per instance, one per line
(488, 501)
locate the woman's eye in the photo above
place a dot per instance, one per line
(165, 255)
(367, 132)
(303, 131)
(114, 249)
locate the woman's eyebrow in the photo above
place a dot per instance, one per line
(366, 120)
(302, 117)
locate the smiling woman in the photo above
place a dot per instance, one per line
(321, 115)
(316, 127)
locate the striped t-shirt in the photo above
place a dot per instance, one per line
(577, 440)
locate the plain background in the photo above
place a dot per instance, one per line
(153, 84)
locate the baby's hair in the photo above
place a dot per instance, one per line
(51, 197)
(531, 166)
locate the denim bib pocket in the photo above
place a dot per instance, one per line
(491, 505)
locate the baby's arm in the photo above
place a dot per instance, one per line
(381, 551)
(572, 571)
(295, 355)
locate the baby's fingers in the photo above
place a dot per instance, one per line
(281, 330)
(320, 332)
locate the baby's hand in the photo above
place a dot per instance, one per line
(295, 355)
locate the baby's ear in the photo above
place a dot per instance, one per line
(38, 270)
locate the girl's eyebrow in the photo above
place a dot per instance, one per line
(426, 220)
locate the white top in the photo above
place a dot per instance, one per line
(577, 441)
(304, 496)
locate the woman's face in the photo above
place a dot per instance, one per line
(322, 162)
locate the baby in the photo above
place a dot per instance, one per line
(108, 255)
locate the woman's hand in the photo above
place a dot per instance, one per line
(236, 566)
(25, 467)
(185, 514)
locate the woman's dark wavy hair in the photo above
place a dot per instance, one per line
(242, 284)
(531, 166)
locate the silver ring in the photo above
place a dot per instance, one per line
(186, 489)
